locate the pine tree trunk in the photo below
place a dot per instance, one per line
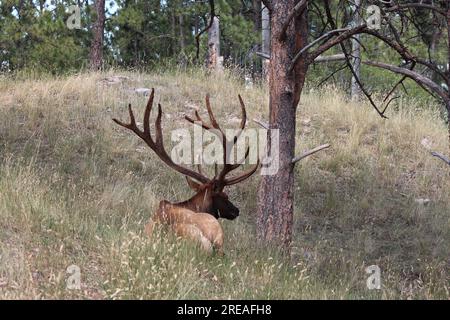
(356, 53)
(214, 45)
(256, 7)
(447, 103)
(181, 29)
(173, 26)
(96, 51)
(276, 192)
(265, 35)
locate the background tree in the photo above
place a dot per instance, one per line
(98, 29)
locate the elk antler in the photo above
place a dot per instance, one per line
(157, 145)
(227, 145)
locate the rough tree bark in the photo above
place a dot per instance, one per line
(265, 35)
(173, 31)
(356, 53)
(447, 103)
(96, 50)
(276, 192)
(181, 34)
(213, 62)
(256, 17)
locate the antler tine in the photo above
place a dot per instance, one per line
(211, 114)
(132, 124)
(228, 144)
(243, 111)
(199, 166)
(214, 124)
(247, 152)
(158, 129)
(241, 177)
(148, 110)
(243, 120)
(202, 123)
(227, 168)
(158, 145)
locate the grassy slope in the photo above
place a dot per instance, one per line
(76, 189)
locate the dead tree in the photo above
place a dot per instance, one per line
(265, 40)
(356, 52)
(212, 15)
(214, 59)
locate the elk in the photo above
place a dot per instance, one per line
(197, 217)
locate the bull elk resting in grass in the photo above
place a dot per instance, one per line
(197, 217)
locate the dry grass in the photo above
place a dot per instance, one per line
(76, 189)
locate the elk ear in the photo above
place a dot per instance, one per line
(194, 185)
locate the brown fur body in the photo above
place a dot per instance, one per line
(197, 226)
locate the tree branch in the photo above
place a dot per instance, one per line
(310, 152)
(329, 44)
(440, 156)
(263, 55)
(404, 52)
(267, 4)
(330, 58)
(417, 77)
(319, 59)
(416, 5)
(297, 11)
(212, 14)
(324, 36)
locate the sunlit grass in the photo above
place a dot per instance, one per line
(77, 189)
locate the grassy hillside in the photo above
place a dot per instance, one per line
(77, 189)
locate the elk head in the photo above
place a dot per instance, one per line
(210, 196)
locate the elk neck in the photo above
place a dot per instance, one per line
(200, 202)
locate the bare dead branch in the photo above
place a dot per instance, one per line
(415, 5)
(310, 152)
(417, 77)
(363, 89)
(263, 55)
(313, 43)
(441, 156)
(330, 58)
(332, 74)
(319, 59)
(404, 52)
(330, 43)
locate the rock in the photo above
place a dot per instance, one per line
(248, 82)
(191, 106)
(426, 143)
(143, 91)
(113, 80)
(233, 119)
(422, 202)
(306, 122)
